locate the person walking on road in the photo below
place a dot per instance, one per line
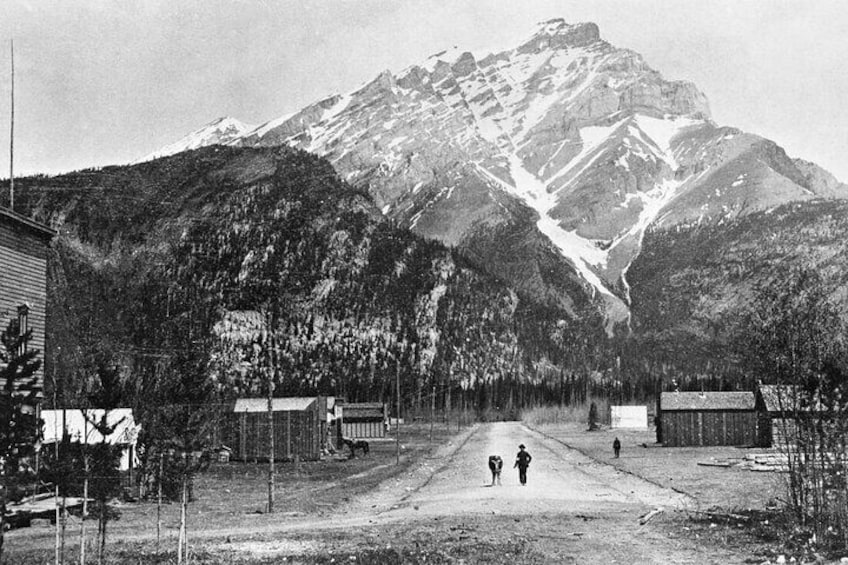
(522, 461)
(616, 447)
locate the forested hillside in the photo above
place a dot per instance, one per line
(690, 283)
(171, 256)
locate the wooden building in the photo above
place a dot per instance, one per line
(78, 425)
(24, 245)
(300, 428)
(362, 420)
(780, 408)
(708, 418)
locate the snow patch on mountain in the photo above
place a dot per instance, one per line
(653, 203)
(662, 131)
(220, 131)
(531, 190)
(592, 138)
(265, 128)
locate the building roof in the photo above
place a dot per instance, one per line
(13, 218)
(363, 412)
(292, 404)
(777, 398)
(670, 401)
(787, 398)
(81, 430)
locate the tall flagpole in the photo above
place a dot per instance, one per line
(12, 136)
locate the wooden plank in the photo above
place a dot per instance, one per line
(243, 437)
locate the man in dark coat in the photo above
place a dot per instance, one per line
(522, 461)
(616, 447)
(495, 466)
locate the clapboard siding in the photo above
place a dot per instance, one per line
(363, 430)
(363, 420)
(22, 240)
(23, 276)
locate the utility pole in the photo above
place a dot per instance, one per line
(432, 411)
(158, 503)
(270, 345)
(448, 398)
(12, 136)
(397, 415)
(270, 445)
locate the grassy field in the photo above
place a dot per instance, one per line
(228, 522)
(236, 493)
(732, 507)
(731, 488)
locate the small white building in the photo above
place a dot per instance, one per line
(78, 424)
(629, 417)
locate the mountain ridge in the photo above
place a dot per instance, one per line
(173, 248)
(588, 138)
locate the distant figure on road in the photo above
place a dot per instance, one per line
(495, 466)
(616, 446)
(522, 461)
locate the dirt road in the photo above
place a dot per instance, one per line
(573, 510)
(560, 479)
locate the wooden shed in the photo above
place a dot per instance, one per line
(78, 426)
(24, 245)
(300, 428)
(708, 418)
(362, 420)
(780, 407)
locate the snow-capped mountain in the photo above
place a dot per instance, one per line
(221, 131)
(563, 146)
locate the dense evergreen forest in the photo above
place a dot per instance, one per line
(208, 253)
(691, 285)
(215, 250)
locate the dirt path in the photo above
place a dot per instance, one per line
(560, 479)
(573, 509)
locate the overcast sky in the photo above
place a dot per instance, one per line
(101, 82)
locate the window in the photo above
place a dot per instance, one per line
(23, 325)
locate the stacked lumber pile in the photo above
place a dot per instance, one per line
(766, 462)
(758, 462)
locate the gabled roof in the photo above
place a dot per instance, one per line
(292, 404)
(81, 430)
(670, 401)
(363, 410)
(787, 398)
(19, 221)
(777, 398)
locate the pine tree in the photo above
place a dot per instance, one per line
(105, 457)
(19, 425)
(593, 417)
(177, 428)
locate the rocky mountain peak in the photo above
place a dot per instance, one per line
(220, 131)
(563, 150)
(557, 34)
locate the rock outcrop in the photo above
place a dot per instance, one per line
(568, 144)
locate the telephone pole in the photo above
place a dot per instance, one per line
(397, 420)
(270, 351)
(12, 135)
(432, 411)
